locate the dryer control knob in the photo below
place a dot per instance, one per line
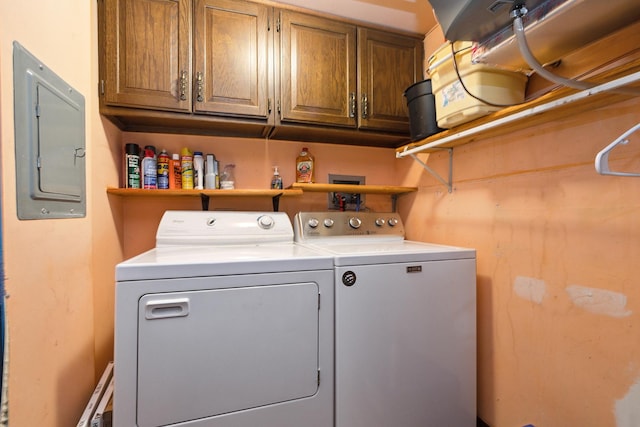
(328, 223)
(379, 222)
(355, 222)
(313, 222)
(265, 221)
(392, 222)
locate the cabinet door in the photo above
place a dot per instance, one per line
(232, 58)
(388, 65)
(147, 45)
(317, 70)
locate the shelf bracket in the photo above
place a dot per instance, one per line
(205, 201)
(394, 202)
(276, 202)
(448, 183)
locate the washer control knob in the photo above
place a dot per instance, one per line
(379, 222)
(392, 222)
(265, 221)
(313, 222)
(355, 222)
(328, 223)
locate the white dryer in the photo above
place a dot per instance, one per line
(405, 322)
(225, 323)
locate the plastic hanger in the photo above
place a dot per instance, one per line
(602, 158)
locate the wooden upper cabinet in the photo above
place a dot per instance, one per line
(317, 70)
(232, 58)
(388, 65)
(248, 68)
(147, 53)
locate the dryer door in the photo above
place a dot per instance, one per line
(211, 352)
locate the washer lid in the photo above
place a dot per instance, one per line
(359, 251)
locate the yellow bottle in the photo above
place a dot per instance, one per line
(186, 161)
(305, 167)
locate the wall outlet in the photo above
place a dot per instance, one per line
(346, 201)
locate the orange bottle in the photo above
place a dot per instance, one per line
(305, 167)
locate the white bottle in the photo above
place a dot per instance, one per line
(198, 170)
(211, 177)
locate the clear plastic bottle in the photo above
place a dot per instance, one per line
(276, 180)
(305, 167)
(186, 163)
(227, 177)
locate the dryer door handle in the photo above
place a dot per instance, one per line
(162, 309)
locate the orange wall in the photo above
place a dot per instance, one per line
(57, 269)
(558, 249)
(557, 246)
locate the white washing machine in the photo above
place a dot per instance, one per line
(225, 323)
(405, 322)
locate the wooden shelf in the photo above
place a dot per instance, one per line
(294, 190)
(135, 192)
(348, 188)
(554, 106)
(205, 195)
(605, 62)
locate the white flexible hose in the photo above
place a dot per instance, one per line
(518, 29)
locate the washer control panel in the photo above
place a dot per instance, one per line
(311, 225)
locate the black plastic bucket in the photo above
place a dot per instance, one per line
(422, 110)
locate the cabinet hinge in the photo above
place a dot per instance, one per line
(278, 24)
(318, 377)
(318, 301)
(278, 107)
(268, 24)
(38, 110)
(269, 106)
(101, 87)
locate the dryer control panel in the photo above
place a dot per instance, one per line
(223, 228)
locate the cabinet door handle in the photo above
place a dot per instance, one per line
(162, 309)
(183, 86)
(352, 104)
(199, 87)
(365, 106)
